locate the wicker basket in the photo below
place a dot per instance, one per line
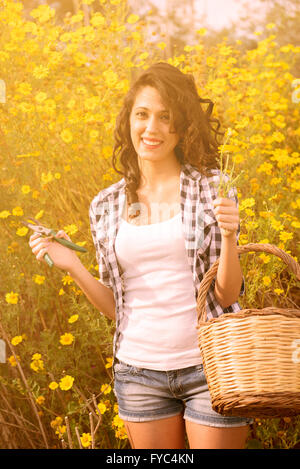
(252, 358)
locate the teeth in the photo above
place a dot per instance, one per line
(151, 143)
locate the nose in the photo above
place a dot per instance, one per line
(151, 125)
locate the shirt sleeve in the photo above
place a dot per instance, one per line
(101, 257)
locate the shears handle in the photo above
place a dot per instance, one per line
(67, 243)
(48, 260)
(64, 242)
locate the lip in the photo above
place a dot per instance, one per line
(151, 140)
(151, 147)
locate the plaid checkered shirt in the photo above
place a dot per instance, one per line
(201, 232)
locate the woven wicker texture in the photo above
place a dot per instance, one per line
(252, 358)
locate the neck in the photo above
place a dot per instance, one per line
(157, 174)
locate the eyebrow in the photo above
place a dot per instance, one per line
(147, 109)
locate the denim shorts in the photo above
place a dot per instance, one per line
(144, 395)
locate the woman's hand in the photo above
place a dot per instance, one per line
(63, 257)
(227, 215)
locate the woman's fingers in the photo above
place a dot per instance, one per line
(63, 234)
(34, 236)
(41, 254)
(41, 245)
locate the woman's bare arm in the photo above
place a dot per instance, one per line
(66, 259)
(98, 294)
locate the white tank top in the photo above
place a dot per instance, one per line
(160, 316)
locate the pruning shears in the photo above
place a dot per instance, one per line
(35, 226)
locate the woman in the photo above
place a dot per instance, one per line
(156, 232)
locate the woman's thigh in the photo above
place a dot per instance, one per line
(208, 437)
(167, 433)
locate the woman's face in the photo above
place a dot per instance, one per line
(150, 123)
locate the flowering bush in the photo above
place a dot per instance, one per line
(62, 95)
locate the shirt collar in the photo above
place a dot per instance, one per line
(187, 169)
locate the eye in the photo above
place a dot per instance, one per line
(165, 117)
(141, 114)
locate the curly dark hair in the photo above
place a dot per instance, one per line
(198, 143)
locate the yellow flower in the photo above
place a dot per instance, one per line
(71, 229)
(109, 363)
(37, 364)
(12, 360)
(242, 123)
(101, 408)
(121, 433)
(225, 50)
(265, 168)
(201, 31)
(66, 339)
(56, 422)
(105, 388)
(278, 291)
(61, 429)
(39, 215)
(67, 280)
(22, 231)
(275, 181)
(162, 45)
(25, 189)
(40, 97)
(132, 19)
(86, 440)
(265, 214)
(77, 18)
(12, 298)
(66, 136)
(143, 55)
(39, 279)
(111, 78)
(17, 211)
(61, 292)
(43, 13)
(40, 71)
(53, 385)
(66, 383)
(246, 203)
(276, 225)
(265, 258)
(24, 88)
(285, 236)
(249, 212)
(73, 318)
(40, 400)
(47, 177)
(117, 422)
(97, 20)
(16, 340)
(5, 214)
(256, 139)
(266, 280)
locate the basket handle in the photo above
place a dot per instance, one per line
(212, 272)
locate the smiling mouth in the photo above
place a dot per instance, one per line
(151, 143)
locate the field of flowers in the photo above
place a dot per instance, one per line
(60, 91)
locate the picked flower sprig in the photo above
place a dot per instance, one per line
(226, 184)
